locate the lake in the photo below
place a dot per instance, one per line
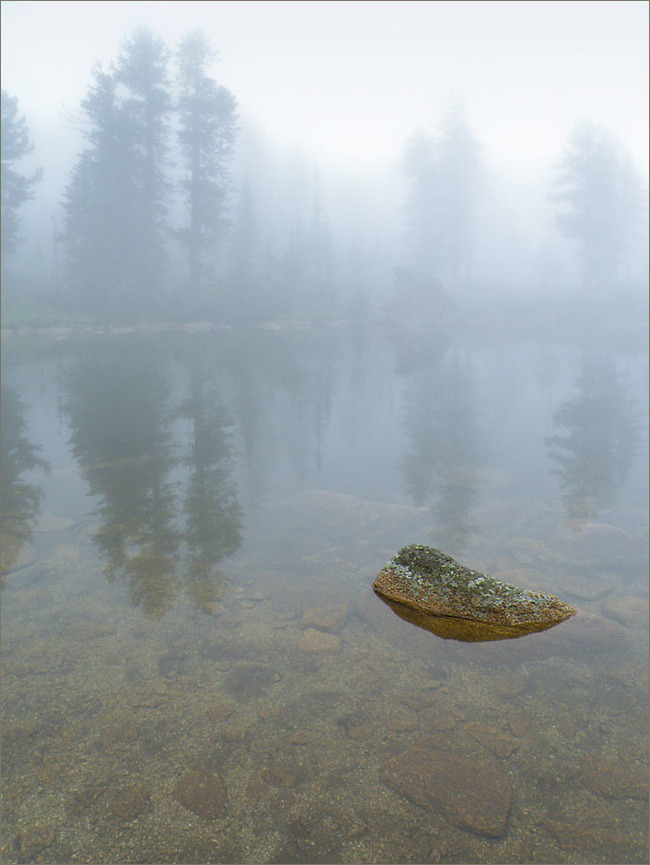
(195, 667)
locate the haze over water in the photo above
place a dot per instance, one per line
(191, 598)
(287, 287)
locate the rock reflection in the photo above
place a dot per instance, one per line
(452, 628)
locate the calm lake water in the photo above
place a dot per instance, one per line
(194, 666)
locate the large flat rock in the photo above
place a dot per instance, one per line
(432, 584)
(338, 519)
(469, 794)
(598, 543)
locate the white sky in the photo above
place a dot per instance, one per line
(349, 81)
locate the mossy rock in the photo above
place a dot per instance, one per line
(432, 590)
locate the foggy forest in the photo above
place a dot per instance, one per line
(178, 208)
(324, 436)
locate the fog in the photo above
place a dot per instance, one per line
(430, 136)
(288, 287)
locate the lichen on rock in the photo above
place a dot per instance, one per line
(457, 602)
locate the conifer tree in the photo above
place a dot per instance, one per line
(16, 188)
(599, 194)
(207, 131)
(444, 172)
(115, 201)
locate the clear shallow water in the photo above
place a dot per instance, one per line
(182, 511)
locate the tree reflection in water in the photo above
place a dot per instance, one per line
(165, 519)
(597, 440)
(21, 500)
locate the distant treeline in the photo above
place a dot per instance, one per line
(154, 226)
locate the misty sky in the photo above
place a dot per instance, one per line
(349, 81)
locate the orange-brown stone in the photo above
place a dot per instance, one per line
(435, 592)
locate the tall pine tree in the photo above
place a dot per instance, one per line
(141, 71)
(115, 201)
(444, 173)
(207, 131)
(16, 187)
(97, 235)
(600, 199)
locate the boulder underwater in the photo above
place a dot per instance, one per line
(432, 590)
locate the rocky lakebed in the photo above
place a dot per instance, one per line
(293, 717)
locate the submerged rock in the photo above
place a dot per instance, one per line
(319, 641)
(468, 794)
(202, 792)
(130, 803)
(432, 590)
(32, 840)
(598, 544)
(612, 780)
(331, 619)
